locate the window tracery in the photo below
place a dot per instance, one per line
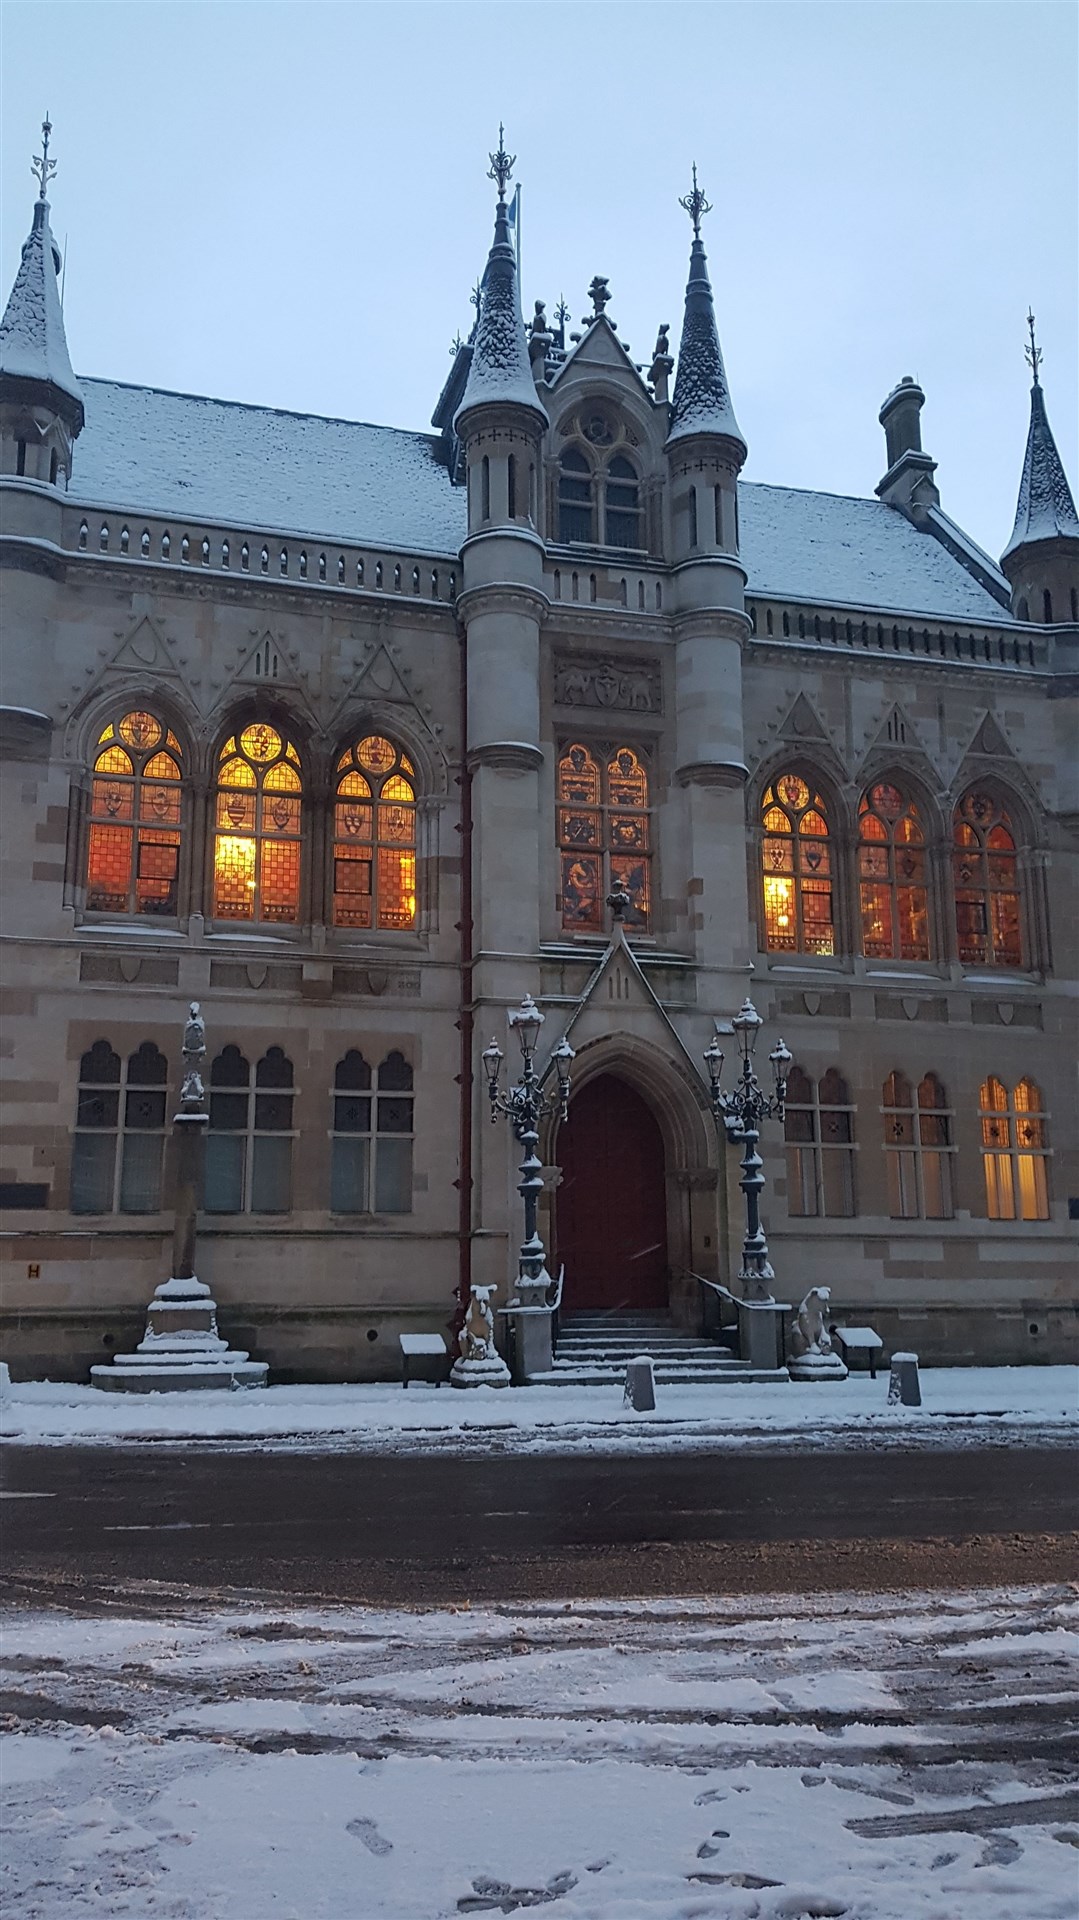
(249, 1139)
(796, 860)
(119, 1137)
(918, 1148)
(133, 846)
(599, 497)
(604, 836)
(371, 1153)
(892, 876)
(1015, 1151)
(985, 873)
(258, 820)
(374, 852)
(819, 1134)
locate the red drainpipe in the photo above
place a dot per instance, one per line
(466, 1016)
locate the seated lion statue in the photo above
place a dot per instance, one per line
(809, 1333)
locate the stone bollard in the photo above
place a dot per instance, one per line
(5, 1384)
(904, 1387)
(640, 1391)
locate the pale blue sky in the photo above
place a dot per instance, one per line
(287, 204)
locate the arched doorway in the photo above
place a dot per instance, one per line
(611, 1205)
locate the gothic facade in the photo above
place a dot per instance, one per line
(349, 732)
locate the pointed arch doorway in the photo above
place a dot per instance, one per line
(611, 1204)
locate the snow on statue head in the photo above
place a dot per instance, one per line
(477, 1337)
(809, 1333)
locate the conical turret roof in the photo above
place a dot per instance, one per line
(500, 374)
(33, 346)
(1046, 510)
(702, 399)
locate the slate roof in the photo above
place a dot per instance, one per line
(183, 457)
(33, 345)
(702, 397)
(1046, 510)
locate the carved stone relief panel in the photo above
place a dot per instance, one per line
(627, 686)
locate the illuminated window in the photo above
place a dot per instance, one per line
(819, 1132)
(133, 851)
(575, 513)
(119, 1134)
(986, 876)
(918, 1148)
(891, 871)
(257, 840)
(1015, 1151)
(371, 1153)
(374, 850)
(604, 836)
(796, 861)
(249, 1140)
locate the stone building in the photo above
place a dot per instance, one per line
(348, 732)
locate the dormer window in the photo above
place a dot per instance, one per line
(575, 521)
(598, 505)
(622, 516)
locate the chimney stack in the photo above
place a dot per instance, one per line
(908, 483)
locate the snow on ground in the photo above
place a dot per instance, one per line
(960, 1405)
(773, 1759)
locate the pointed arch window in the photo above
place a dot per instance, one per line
(576, 513)
(985, 871)
(119, 1138)
(796, 861)
(1015, 1151)
(918, 1148)
(819, 1132)
(604, 835)
(371, 1150)
(374, 850)
(249, 1140)
(133, 846)
(257, 836)
(892, 876)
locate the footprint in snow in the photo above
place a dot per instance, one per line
(942, 1860)
(1000, 1851)
(706, 1851)
(367, 1831)
(708, 1799)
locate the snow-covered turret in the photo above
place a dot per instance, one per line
(705, 447)
(1041, 559)
(501, 419)
(41, 407)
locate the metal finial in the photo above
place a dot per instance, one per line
(1033, 353)
(41, 166)
(477, 295)
(456, 344)
(502, 164)
(561, 312)
(695, 204)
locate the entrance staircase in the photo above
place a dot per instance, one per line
(593, 1349)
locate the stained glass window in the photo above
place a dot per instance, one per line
(371, 1157)
(918, 1147)
(604, 836)
(119, 1137)
(796, 861)
(133, 847)
(986, 876)
(257, 829)
(1015, 1150)
(374, 849)
(819, 1131)
(892, 876)
(249, 1140)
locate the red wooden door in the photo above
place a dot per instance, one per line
(611, 1207)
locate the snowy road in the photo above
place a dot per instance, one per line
(776, 1759)
(397, 1529)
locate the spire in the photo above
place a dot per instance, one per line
(33, 347)
(1046, 510)
(702, 400)
(500, 373)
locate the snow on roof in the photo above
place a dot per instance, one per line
(500, 371)
(702, 398)
(1046, 510)
(183, 457)
(32, 341)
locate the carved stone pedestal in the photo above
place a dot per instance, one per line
(816, 1366)
(181, 1348)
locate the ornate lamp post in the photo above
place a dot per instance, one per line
(742, 1112)
(525, 1105)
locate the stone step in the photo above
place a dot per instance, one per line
(733, 1374)
(668, 1350)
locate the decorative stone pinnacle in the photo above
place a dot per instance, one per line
(599, 294)
(1033, 353)
(502, 165)
(41, 166)
(695, 204)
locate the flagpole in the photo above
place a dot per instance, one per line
(518, 230)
